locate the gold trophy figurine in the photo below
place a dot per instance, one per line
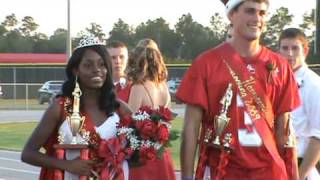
(75, 120)
(221, 121)
(70, 148)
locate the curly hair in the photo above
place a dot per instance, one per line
(107, 99)
(146, 63)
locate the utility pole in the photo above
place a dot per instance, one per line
(69, 45)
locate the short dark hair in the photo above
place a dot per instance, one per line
(294, 33)
(116, 44)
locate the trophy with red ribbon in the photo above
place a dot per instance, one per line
(71, 143)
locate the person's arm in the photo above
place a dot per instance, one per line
(40, 135)
(281, 131)
(135, 98)
(189, 140)
(310, 158)
(124, 107)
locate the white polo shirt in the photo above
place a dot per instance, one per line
(306, 118)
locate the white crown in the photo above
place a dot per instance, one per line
(89, 41)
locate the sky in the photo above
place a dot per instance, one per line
(52, 14)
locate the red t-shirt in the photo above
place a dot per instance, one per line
(207, 80)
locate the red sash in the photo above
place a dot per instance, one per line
(259, 110)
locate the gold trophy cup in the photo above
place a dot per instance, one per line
(221, 121)
(75, 120)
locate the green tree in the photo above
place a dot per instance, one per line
(28, 26)
(159, 31)
(3, 30)
(275, 25)
(10, 22)
(219, 27)
(16, 43)
(96, 31)
(41, 43)
(194, 37)
(309, 25)
(57, 42)
(121, 31)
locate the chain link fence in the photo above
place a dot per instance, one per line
(20, 85)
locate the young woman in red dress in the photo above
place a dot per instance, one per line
(147, 72)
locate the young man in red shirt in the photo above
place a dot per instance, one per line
(242, 94)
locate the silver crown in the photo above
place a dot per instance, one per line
(89, 41)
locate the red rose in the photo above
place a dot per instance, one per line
(126, 121)
(165, 113)
(121, 157)
(163, 133)
(129, 151)
(147, 129)
(147, 154)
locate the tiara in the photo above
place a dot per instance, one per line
(89, 41)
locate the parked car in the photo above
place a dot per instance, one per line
(173, 85)
(49, 90)
(1, 92)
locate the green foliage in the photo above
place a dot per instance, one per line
(218, 26)
(159, 30)
(10, 22)
(195, 37)
(95, 30)
(174, 134)
(180, 44)
(121, 31)
(57, 42)
(275, 25)
(28, 26)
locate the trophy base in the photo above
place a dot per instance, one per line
(71, 146)
(70, 151)
(220, 147)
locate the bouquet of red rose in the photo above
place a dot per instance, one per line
(147, 133)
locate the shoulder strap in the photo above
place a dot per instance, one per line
(145, 88)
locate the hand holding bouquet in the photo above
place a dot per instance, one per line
(147, 133)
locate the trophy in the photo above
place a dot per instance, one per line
(71, 143)
(221, 121)
(75, 120)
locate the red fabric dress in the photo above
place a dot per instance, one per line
(207, 80)
(123, 92)
(160, 169)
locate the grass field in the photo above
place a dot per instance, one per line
(21, 104)
(14, 135)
